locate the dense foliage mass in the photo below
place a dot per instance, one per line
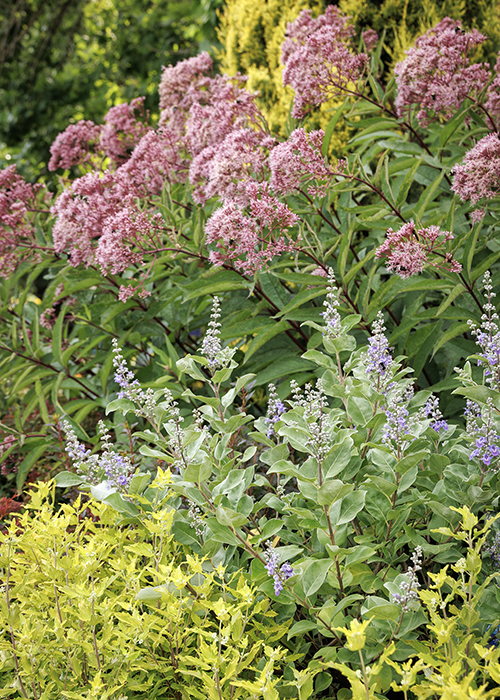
(290, 358)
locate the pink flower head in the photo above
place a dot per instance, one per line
(319, 60)
(223, 170)
(479, 174)
(75, 145)
(7, 443)
(122, 129)
(81, 212)
(436, 75)
(240, 233)
(301, 28)
(125, 292)
(477, 215)
(202, 111)
(122, 233)
(154, 162)
(370, 37)
(17, 198)
(181, 86)
(225, 107)
(297, 161)
(408, 250)
(47, 318)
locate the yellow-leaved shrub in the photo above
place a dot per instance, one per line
(91, 608)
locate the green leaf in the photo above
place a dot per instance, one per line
(188, 366)
(184, 533)
(452, 126)
(345, 510)
(359, 553)
(331, 126)
(314, 575)
(345, 242)
(456, 330)
(381, 609)
(427, 196)
(301, 627)
(337, 458)
(271, 528)
(196, 473)
(139, 483)
(450, 298)
(123, 405)
(229, 517)
(354, 269)
(301, 298)
(222, 533)
(470, 248)
(265, 335)
(407, 183)
(57, 333)
(116, 501)
(320, 359)
(41, 402)
(27, 464)
(225, 281)
(65, 479)
(149, 595)
(480, 394)
(148, 451)
(410, 461)
(332, 491)
(484, 266)
(409, 478)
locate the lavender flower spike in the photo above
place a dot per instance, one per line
(431, 410)
(275, 410)
(280, 575)
(481, 428)
(409, 588)
(331, 316)
(211, 347)
(378, 358)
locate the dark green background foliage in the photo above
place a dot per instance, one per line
(65, 60)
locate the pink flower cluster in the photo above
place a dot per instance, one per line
(18, 199)
(437, 75)
(122, 130)
(250, 236)
(224, 169)
(182, 86)
(478, 176)
(75, 145)
(370, 37)
(297, 161)
(7, 443)
(124, 126)
(202, 111)
(88, 209)
(210, 128)
(319, 61)
(408, 250)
